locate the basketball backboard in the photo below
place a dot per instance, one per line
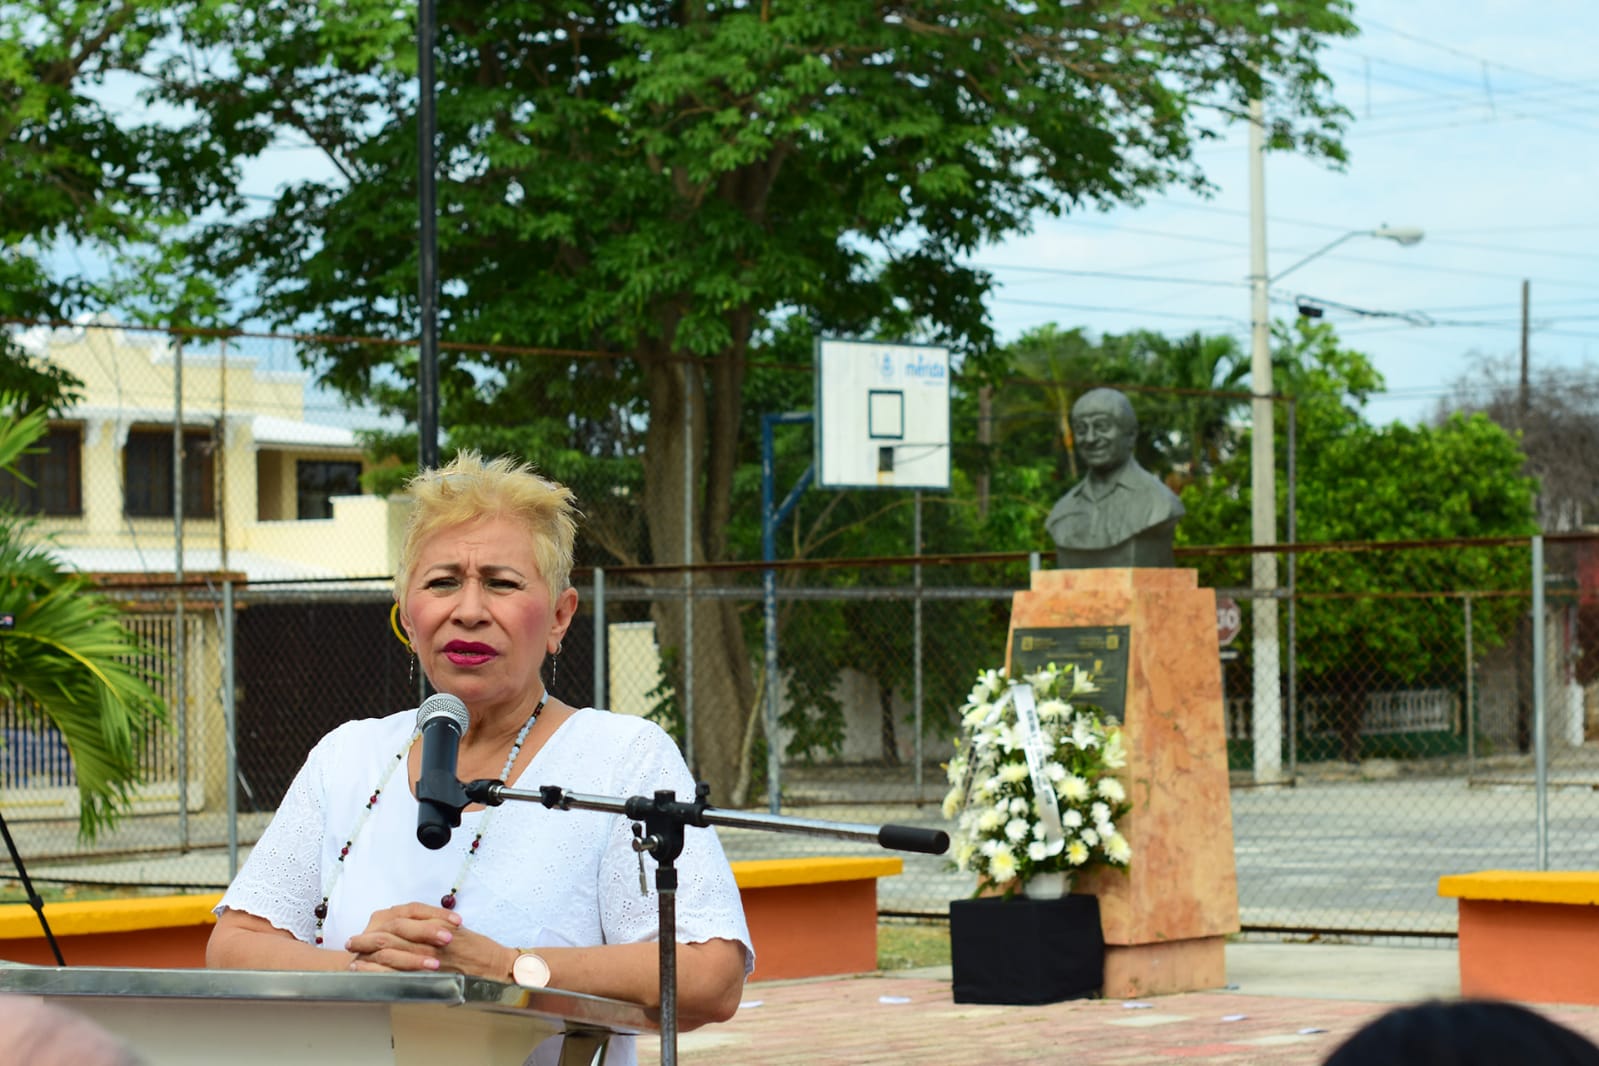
(882, 415)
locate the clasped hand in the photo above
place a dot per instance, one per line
(415, 937)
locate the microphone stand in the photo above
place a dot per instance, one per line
(34, 899)
(663, 818)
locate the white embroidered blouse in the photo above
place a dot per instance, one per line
(541, 877)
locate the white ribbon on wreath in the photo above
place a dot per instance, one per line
(1037, 748)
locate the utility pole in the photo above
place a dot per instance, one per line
(427, 368)
(1523, 397)
(1266, 723)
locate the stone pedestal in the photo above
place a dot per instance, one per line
(1166, 917)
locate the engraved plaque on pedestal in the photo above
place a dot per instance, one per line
(1100, 651)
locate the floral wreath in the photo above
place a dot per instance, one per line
(1032, 789)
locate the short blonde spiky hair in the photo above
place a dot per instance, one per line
(468, 488)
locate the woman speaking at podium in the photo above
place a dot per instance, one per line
(338, 881)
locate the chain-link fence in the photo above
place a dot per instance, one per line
(1416, 738)
(1384, 719)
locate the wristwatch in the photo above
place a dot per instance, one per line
(530, 970)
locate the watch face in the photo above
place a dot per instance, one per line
(531, 971)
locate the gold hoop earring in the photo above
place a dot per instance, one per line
(394, 624)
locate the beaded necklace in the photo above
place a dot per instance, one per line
(448, 900)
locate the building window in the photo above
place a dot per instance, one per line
(54, 465)
(317, 481)
(147, 474)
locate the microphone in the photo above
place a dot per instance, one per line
(442, 719)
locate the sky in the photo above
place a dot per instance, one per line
(1474, 120)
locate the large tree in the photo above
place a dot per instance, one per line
(80, 174)
(655, 182)
(1373, 615)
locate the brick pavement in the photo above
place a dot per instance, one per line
(913, 1019)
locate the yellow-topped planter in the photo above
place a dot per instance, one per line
(807, 917)
(1528, 935)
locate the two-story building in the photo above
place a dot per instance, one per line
(267, 496)
(265, 493)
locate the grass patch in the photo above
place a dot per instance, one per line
(912, 945)
(13, 892)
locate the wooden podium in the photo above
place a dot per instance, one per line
(268, 1018)
(1166, 917)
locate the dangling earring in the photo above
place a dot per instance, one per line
(399, 633)
(555, 664)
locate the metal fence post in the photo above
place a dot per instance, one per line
(602, 695)
(1471, 691)
(1293, 590)
(180, 640)
(688, 563)
(916, 604)
(231, 728)
(1540, 739)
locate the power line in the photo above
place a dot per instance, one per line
(1102, 309)
(1111, 275)
(1462, 54)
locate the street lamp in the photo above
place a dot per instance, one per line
(1266, 720)
(1402, 235)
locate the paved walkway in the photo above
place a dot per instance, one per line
(1286, 1005)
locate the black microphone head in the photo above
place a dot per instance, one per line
(442, 705)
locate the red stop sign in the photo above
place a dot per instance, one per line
(1229, 620)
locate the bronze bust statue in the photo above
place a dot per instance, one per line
(1119, 514)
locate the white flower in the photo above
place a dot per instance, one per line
(990, 683)
(1111, 789)
(1038, 851)
(1100, 813)
(1018, 805)
(1074, 788)
(955, 769)
(1089, 837)
(1117, 850)
(1076, 853)
(1016, 830)
(990, 820)
(1002, 866)
(1114, 754)
(1072, 818)
(1053, 710)
(1055, 772)
(1013, 773)
(964, 855)
(1084, 735)
(952, 804)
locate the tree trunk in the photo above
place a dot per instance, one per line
(887, 732)
(724, 686)
(1524, 681)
